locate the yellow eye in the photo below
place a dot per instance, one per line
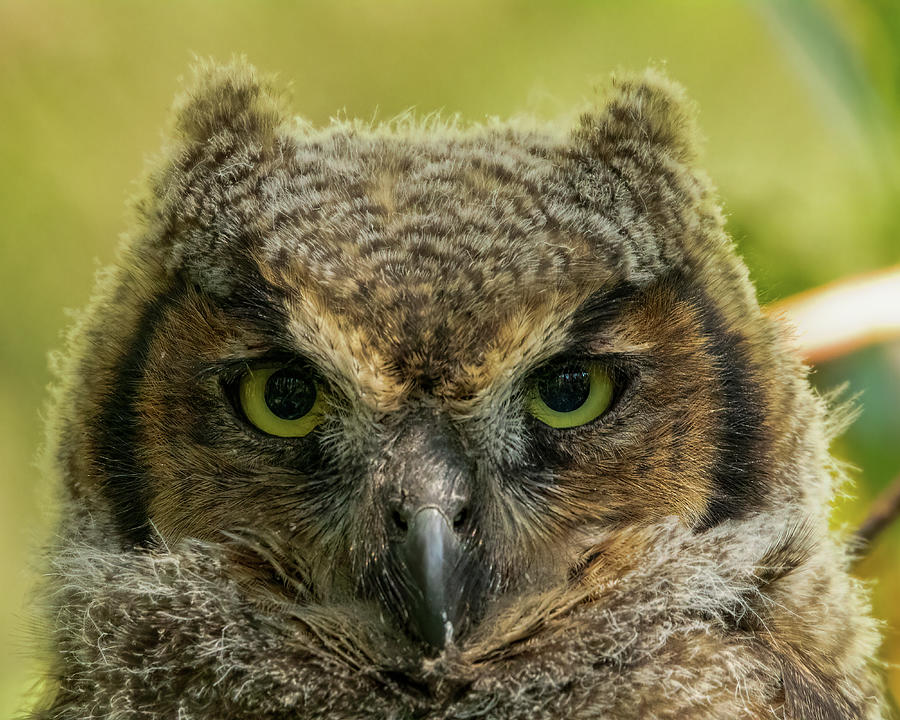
(282, 401)
(572, 395)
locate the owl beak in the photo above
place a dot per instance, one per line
(432, 554)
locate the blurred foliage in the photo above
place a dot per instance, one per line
(800, 102)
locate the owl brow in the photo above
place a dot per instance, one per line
(261, 305)
(230, 369)
(598, 311)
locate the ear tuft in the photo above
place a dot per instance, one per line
(227, 99)
(647, 110)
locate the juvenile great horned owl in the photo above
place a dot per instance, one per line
(432, 422)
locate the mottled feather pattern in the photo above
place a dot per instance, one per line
(671, 559)
(634, 638)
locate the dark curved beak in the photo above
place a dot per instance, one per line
(432, 554)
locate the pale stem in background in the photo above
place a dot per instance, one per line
(844, 316)
(835, 320)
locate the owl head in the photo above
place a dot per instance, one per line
(450, 381)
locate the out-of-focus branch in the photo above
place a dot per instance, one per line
(844, 316)
(883, 512)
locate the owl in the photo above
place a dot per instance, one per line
(434, 420)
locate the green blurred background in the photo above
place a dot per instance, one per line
(800, 103)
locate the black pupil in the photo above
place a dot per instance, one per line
(290, 393)
(566, 390)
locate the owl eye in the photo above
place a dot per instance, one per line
(571, 395)
(282, 401)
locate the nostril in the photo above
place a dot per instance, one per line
(460, 518)
(399, 521)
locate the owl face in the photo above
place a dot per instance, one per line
(425, 421)
(426, 370)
